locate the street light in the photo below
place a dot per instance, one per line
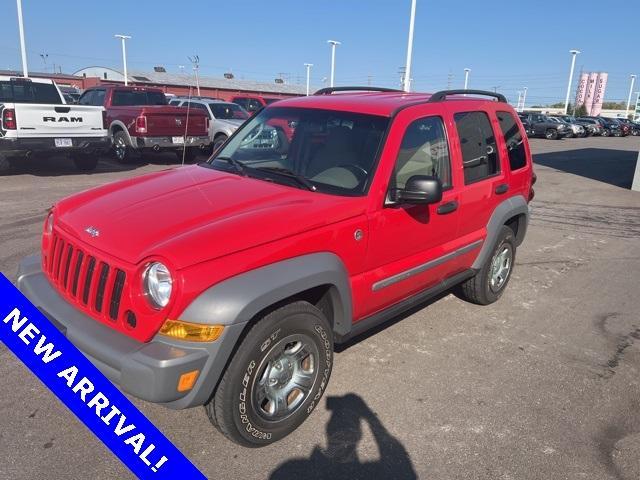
(124, 56)
(466, 77)
(23, 49)
(524, 97)
(333, 44)
(633, 80)
(407, 71)
(308, 67)
(573, 53)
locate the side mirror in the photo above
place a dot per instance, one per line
(420, 190)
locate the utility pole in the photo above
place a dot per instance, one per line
(369, 80)
(407, 70)
(44, 57)
(466, 78)
(449, 80)
(308, 67)
(195, 61)
(633, 80)
(333, 44)
(123, 38)
(573, 53)
(23, 49)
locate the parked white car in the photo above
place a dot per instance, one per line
(34, 118)
(224, 117)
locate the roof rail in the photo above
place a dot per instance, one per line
(443, 94)
(330, 90)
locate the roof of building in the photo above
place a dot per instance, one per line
(215, 82)
(18, 73)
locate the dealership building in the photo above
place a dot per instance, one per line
(178, 84)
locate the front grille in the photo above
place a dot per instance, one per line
(86, 279)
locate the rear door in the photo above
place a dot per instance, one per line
(484, 180)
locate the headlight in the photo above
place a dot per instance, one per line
(48, 224)
(158, 284)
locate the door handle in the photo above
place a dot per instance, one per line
(502, 188)
(447, 208)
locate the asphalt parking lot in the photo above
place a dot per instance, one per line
(544, 384)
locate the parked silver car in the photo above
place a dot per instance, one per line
(576, 129)
(224, 117)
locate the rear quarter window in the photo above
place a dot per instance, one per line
(478, 146)
(29, 92)
(513, 140)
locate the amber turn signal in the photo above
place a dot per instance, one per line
(193, 332)
(187, 380)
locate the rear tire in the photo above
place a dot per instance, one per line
(605, 133)
(551, 134)
(85, 162)
(218, 142)
(122, 151)
(488, 285)
(276, 378)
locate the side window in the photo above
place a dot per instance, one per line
(242, 102)
(513, 139)
(254, 105)
(478, 146)
(87, 98)
(98, 98)
(424, 151)
(174, 102)
(202, 107)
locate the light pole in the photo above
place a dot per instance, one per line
(633, 80)
(23, 49)
(524, 97)
(407, 71)
(574, 54)
(195, 60)
(124, 38)
(44, 57)
(333, 44)
(308, 67)
(466, 77)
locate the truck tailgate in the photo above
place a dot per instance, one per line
(172, 121)
(41, 120)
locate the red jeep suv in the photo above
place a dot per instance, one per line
(226, 284)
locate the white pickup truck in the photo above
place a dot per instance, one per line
(35, 119)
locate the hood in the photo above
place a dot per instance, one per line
(192, 214)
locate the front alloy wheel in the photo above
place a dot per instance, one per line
(276, 377)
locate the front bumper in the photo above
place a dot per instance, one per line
(167, 142)
(149, 371)
(17, 146)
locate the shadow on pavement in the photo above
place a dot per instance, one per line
(340, 458)
(615, 167)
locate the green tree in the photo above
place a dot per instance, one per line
(581, 111)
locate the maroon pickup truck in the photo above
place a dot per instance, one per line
(139, 119)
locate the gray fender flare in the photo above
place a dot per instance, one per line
(509, 208)
(240, 298)
(118, 123)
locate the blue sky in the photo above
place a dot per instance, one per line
(507, 44)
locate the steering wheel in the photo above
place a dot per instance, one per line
(251, 137)
(360, 173)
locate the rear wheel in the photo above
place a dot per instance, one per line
(218, 142)
(605, 133)
(276, 378)
(489, 283)
(121, 148)
(85, 162)
(551, 134)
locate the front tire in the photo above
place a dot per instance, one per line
(551, 134)
(276, 378)
(490, 282)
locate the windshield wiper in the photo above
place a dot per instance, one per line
(238, 166)
(285, 172)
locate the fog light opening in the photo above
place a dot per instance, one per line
(131, 320)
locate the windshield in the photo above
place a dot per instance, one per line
(335, 152)
(228, 111)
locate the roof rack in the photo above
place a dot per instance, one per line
(330, 90)
(443, 94)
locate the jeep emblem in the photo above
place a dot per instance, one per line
(93, 231)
